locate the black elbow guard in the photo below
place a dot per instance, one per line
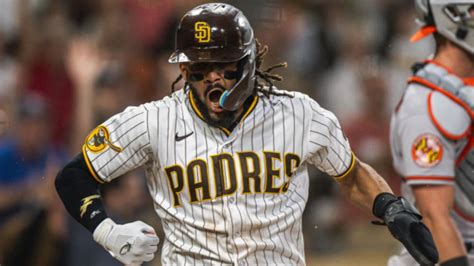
(80, 193)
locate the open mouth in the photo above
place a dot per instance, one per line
(215, 94)
(213, 97)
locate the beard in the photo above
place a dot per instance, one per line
(224, 119)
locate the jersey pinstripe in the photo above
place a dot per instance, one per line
(226, 197)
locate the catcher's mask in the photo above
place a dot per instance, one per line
(219, 33)
(453, 19)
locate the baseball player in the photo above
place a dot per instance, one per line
(431, 132)
(226, 159)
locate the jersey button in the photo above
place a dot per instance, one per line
(231, 200)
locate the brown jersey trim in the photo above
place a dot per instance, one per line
(225, 130)
(252, 106)
(349, 169)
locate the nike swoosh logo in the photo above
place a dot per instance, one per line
(180, 138)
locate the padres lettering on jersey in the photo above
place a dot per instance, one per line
(223, 166)
(226, 197)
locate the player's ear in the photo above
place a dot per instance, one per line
(184, 71)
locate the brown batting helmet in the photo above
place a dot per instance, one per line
(217, 32)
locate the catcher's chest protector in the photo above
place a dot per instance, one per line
(451, 108)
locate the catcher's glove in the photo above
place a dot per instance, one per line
(404, 223)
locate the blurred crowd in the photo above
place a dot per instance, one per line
(67, 65)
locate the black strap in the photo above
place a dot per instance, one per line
(459, 261)
(417, 66)
(469, 246)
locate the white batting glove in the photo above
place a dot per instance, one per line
(132, 243)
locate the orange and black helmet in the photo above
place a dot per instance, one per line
(217, 32)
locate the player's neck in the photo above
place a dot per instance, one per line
(457, 60)
(240, 113)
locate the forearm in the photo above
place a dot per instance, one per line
(446, 236)
(362, 185)
(83, 114)
(80, 195)
(131, 243)
(435, 203)
(83, 62)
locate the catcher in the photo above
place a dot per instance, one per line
(431, 132)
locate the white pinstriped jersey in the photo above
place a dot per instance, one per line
(224, 197)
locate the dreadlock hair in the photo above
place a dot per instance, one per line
(264, 77)
(176, 81)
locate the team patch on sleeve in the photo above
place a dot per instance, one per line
(427, 150)
(99, 139)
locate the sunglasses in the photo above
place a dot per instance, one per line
(198, 71)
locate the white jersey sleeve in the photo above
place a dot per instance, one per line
(331, 151)
(120, 144)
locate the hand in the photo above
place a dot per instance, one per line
(84, 62)
(132, 243)
(404, 223)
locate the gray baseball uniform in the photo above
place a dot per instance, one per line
(432, 143)
(225, 197)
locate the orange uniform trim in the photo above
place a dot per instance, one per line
(431, 61)
(463, 215)
(444, 92)
(465, 151)
(431, 178)
(440, 128)
(469, 81)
